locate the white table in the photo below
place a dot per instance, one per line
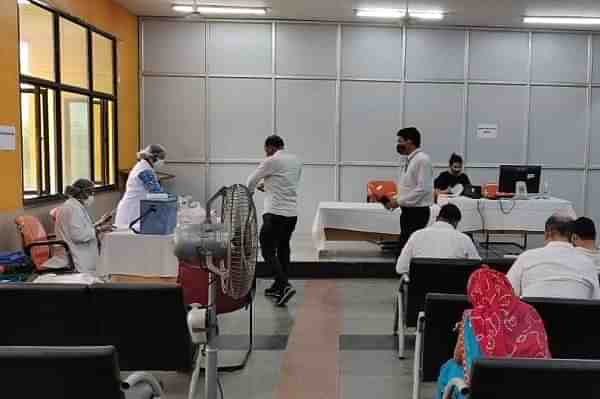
(372, 219)
(124, 252)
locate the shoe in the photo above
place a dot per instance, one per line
(273, 291)
(286, 294)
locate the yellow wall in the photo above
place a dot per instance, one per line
(103, 14)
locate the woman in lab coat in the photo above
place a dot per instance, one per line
(141, 181)
(74, 226)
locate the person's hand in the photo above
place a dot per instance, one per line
(391, 204)
(261, 187)
(105, 228)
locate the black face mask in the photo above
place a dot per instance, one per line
(399, 149)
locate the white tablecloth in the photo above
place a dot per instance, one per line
(124, 252)
(477, 215)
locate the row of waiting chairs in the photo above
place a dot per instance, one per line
(448, 276)
(431, 298)
(435, 341)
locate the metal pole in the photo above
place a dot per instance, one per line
(212, 354)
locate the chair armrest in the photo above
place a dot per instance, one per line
(52, 243)
(404, 281)
(457, 384)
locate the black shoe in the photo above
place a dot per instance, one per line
(286, 294)
(273, 291)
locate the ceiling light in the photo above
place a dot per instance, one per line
(231, 10)
(436, 15)
(22, 2)
(182, 8)
(380, 13)
(562, 20)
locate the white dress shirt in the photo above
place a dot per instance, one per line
(281, 173)
(415, 188)
(441, 240)
(557, 270)
(75, 227)
(593, 255)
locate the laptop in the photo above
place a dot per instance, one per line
(472, 191)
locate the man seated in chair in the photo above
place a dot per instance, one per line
(440, 240)
(75, 227)
(584, 239)
(557, 270)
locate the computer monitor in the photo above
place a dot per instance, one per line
(511, 174)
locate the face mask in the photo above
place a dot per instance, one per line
(88, 201)
(400, 149)
(159, 163)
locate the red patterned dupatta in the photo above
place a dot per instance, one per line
(503, 325)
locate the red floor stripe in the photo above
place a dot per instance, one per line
(310, 365)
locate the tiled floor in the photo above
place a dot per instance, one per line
(367, 364)
(360, 362)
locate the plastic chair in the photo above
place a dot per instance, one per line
(38, 245)
(377, 189)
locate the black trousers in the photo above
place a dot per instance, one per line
(411, 220)
(275, 236)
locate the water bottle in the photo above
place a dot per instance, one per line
(546, 188)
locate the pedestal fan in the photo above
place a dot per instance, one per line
(227, 250)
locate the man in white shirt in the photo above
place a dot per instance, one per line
(278, 176)
(557, 270)
(441, 240)
(584, 240)
(415, 188)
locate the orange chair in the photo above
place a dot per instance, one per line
(377, 189)
(38, 245)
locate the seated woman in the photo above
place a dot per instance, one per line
(74, 226)
(453, 176)
(499, 325)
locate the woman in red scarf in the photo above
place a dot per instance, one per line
(498, 325)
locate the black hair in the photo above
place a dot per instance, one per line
(274, 141)
(584, 228)
(455, 158)
(450, 213)
(561, 225)
(412, 134)
(80, 189)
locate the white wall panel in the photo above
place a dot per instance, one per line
(566, 184)
(371, 114)
(499, 56)
(238, 48)
(593, 195)
(239, 117)
(173, 47)
(173, 115)
(306, 49)
(306, 118)
(559, 57)
(190, 179)
(317, 184)
(505, 107)
(481, 176)
(596, 59)
(371, 52)
(435, 54)
(437, 111)
(595, 133)
(558, 126)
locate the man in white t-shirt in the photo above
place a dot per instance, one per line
(557, 270)
(584, 239)
(278, 176)
(440, 240)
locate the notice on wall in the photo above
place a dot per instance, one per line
(8, 138)
(487, 131)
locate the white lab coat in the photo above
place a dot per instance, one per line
(135, 191)
(74, 226)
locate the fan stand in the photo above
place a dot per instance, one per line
(211, 351)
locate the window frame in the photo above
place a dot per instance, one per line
(89, 92)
